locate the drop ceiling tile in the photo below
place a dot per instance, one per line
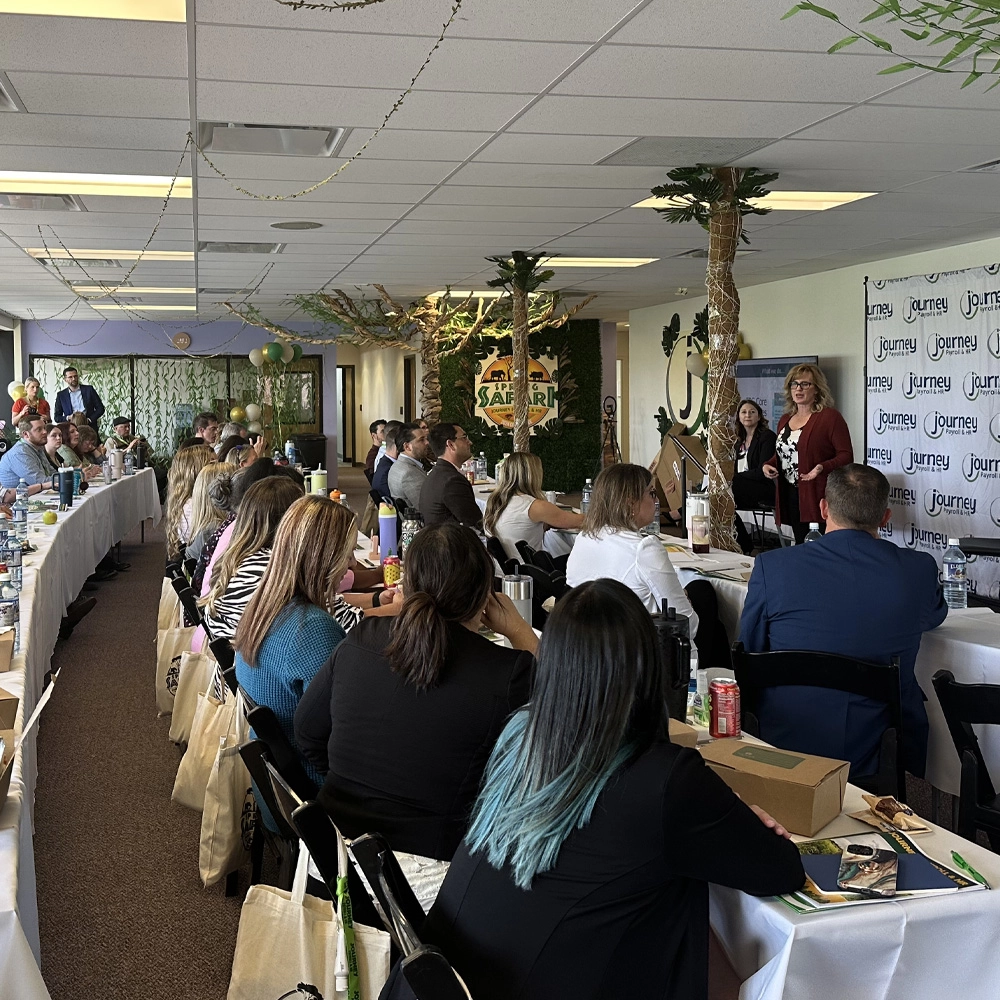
(120, 96)
(416, 144)
(528, 148)
(882, 123)
(545, 175)
(67, 130)
(296, 172)
(314, 205)
(654, 116)
(471, 214)
(90, 161)
(612, 198)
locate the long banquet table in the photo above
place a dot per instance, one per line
(67, 553)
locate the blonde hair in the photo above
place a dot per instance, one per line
(617, 493)
(204, 513)
(312, 547)
(29, 380)
(520, 475)
(823, 396)
(184, 469)
(259, 515)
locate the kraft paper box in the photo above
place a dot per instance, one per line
(669, 469)
(6, 650)
(803, 793)
(8, 713)
(682, 734)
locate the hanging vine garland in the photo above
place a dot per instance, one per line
(326, 7)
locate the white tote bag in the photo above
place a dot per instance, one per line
(214, 720)
(171, 643)
(287, 938)
(194, 675)
(169, 613)
(230, 807)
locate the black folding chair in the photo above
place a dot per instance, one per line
(229, 676)
(189, 603)
(174, 570)
(755, 672)
(190, 565)
(536, 557)
(284, 841)
(495, 548)
(965, 706)
(222, 649)
(369, 476)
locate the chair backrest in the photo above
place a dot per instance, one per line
(285, 797)
(229, 675)
(535, 557)
(965, 706)
(369, 476)
(254, 754)
(179, 583)
(280, 752)
(189, 602)
(174, 569)
(495, 548)
(190, 565)
(223, 651)
(755, 672)
(430, 975)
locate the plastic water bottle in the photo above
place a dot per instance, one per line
(12, 554)
(956, 585)
(290, 452)
(481, 466)
(20, 510)
(4, 531)
(129, 463)
(588, 488)
(10, 609)
(813, 534)
(653, 528)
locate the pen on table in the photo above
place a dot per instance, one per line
(966, 867)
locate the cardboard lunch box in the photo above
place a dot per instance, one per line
(8, 713)
(682, 734)
(803, 793)
(669, 471)
(6, 650)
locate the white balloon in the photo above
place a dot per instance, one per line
(253, 411)
(254, 427)
(287, 353)
(256, 357)
(12, 386)
(696, 365)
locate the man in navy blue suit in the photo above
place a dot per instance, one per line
(854, 594)
(77, 398)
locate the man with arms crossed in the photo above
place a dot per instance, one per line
(446, 494)
(854, 594)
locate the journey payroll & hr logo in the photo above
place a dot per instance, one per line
(879, 310)
(903, 496)
(912, 461)
(972, 302)
(886, 420)
(995, 427)
(995, 511)
(879, 456)
(993, 343)
(893, 347)
(925, 385)
(923, 538)
(938, 423)
(975, 385)
(976, 466)
(937, 503)
(914, 308)
(941, 344)
(879, 383)
(886, 531)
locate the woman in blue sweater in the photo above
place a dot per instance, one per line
(287, 633)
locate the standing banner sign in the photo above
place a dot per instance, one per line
(933, 409)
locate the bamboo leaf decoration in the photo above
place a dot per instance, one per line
(969, 27)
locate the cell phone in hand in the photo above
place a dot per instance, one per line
(868, 870)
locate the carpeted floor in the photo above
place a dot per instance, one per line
(122, 912)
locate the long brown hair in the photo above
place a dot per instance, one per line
(260, 513)
(449, 577)
(520, 475)
(184, 469)
(309, 557)
(741, 431)
(618, 491)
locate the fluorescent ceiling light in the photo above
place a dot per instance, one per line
(781, 201)
(115, 185)
(138, 307)
(118, 10)
(607, 262)
(129, 290)
(457, 293)
(60, 254)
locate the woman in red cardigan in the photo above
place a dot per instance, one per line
(813, 440)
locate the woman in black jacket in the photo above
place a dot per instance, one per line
(585, 871)
(404, 716)
(755, 443)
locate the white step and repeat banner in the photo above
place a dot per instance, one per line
(933, 409)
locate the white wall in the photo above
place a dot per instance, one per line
(821, 314)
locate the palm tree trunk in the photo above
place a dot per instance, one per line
(520, 344)
(430, 380)
(723, 353)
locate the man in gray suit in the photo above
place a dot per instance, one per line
(407, 476)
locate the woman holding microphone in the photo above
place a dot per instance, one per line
(813, 440)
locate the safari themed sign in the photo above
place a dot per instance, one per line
(495, 391)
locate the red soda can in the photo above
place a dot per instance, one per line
(724, 718)
(471, 476)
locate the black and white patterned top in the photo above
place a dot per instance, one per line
(224, 616)
(788, 454)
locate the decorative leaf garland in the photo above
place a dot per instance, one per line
(304, 5)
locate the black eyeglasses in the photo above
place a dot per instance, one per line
(800, 385)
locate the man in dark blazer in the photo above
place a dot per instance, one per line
(447, 495)
(854, 594)
(77, 398)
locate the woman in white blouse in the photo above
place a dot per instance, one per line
(612, 546)
(516, 510)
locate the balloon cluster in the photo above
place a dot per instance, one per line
(697, 364)
(250, 412)
(16, 390)
(275, 353)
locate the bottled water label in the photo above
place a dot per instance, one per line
(8, 612)
(953, 572)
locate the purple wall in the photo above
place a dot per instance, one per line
(80, 338)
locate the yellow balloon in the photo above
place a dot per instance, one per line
(746, 353)
(16, 390)
(238, 414)
(19, 393)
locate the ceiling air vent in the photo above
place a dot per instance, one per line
(701, 253)
(62, 263)
(274, 140)
(681, 151)
(9, 101)
(43, 202)
(224, 291)
(214, 246)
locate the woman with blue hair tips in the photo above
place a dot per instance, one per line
(585, 870)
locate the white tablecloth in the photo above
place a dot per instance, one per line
(67, 553)
(914, 949)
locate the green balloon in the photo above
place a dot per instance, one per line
(272, 351)
(296, 352)
(41, 395)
